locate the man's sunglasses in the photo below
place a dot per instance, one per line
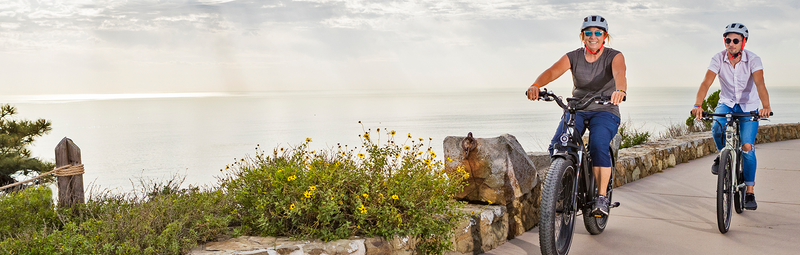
(597, 33)
(728, 41)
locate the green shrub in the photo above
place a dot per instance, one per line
(708, 105)
(27, 210)
(163, 219)
(631, 136)
(389, 190)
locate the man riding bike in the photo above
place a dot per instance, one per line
(741, 78)
(596, 70)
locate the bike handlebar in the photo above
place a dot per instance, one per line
(550, 96)
(754, 114)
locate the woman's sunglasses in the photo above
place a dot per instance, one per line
(597, 33)
(728, 41)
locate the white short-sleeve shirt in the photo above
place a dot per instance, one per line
(737, 83)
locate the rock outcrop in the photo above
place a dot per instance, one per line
(500, 172)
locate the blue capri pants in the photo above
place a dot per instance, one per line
(602, 128)
(747, 132)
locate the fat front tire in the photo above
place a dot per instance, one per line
(725, 191)
(558, 208)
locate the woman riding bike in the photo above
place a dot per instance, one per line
(596, 71)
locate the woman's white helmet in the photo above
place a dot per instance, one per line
(595, 21)
(738, 28)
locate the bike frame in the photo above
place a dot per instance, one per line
(572, 147)
(575, 150)
(734, 144)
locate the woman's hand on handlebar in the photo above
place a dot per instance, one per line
(533, 92)
(617, 97)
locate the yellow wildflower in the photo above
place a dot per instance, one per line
(291, 207)
(365, 195)
(360, 155)
(312, 188)
(490, 201)
(392, 133)
(409, 135)
(449, 159)
(308, 140)
(307, 194)
(433, 154)
(407, 148)
(466, 175)
(395, 197)
(396, 155)
(420, 139)
(366, 136)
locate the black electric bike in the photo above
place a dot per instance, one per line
(570, 185)
(730, 187)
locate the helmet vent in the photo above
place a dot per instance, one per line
(602, 19)
(594, 18)
(741, 26)
(586, 19)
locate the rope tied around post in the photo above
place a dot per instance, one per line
(67, 170)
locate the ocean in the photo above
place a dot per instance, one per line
(125, 138)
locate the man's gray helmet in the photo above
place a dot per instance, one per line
(595, 21)
(738, 28)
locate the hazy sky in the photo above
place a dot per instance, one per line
(57, 47)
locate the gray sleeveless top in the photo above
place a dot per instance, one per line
(593, 78)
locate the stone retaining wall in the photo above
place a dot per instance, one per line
(488, 225)
(643, 160)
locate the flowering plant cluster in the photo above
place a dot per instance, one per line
(383, 188)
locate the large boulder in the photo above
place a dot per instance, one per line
(500, 172)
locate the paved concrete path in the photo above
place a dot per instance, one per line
(674, 212)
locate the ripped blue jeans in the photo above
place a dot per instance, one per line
(747, 131)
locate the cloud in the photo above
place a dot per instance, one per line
(201, 45)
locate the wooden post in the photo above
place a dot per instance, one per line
(70, 188)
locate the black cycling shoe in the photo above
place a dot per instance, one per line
(750, 201)
(600, 208)
(715, 166)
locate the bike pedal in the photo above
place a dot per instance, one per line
(615, 204)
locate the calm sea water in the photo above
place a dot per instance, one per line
(127, 137)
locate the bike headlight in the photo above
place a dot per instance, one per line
(564, 139)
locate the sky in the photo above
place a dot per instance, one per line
(201, 46)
